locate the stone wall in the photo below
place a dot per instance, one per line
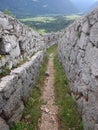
(17, 41)
(22, 52)
(15, 89)
(51, 39)
(78, 52)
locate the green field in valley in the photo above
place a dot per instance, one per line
(47, 24)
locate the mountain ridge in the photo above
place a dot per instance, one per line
(38, 7)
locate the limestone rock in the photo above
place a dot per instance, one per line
(93, 34)
(17, 40)
(80, 61)
(86, 27)
(3, 125)
(17, 115)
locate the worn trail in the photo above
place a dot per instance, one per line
(49, 110)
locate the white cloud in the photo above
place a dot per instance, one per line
(35, 0)
(45, 6)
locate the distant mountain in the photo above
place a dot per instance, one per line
(38, 7)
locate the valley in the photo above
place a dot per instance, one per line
(47, 24)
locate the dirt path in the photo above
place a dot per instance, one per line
(49, 110)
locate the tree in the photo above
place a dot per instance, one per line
(8, 12)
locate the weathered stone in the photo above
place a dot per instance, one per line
(92, 59)
(7, 85)
(51, 39)
(82, 43)
(93, 34)
(17, 40)
(17, 87)
(80, 63)
(96, 127)
(16, 115)
(3, 125)
(86, 27)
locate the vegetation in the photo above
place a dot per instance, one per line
(20, 62)
(49, 24)
(52, 49)
(4, 71)
(32, 111)
(78, 34)
(8, 12)
(24, 8)
(68, 115)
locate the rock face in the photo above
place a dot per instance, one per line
(17, 41)
(51, 39)
(78, 52)
(15, 89)
(22, 52)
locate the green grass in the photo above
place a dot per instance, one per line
(32, 111)
(68, 114)
(73, 17)
(47, 24)
(38, 19)
(52, 49)
(4, 71)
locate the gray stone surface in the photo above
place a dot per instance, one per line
(17, 41)
(23, 48)
(3, 125)
(78, 52)
(51, 39)
(16, 88)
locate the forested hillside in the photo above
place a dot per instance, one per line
(23, 8)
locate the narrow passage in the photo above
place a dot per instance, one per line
(49, 110)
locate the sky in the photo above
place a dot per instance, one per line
(83, 4)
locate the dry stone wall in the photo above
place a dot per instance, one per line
(22, 52)
(17, 41)
(15, 90)
(78, 52)
(51, 39)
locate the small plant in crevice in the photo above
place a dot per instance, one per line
(4, 71)
(1, 57)
(78, 34)
(20, 63)
(69, 57)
